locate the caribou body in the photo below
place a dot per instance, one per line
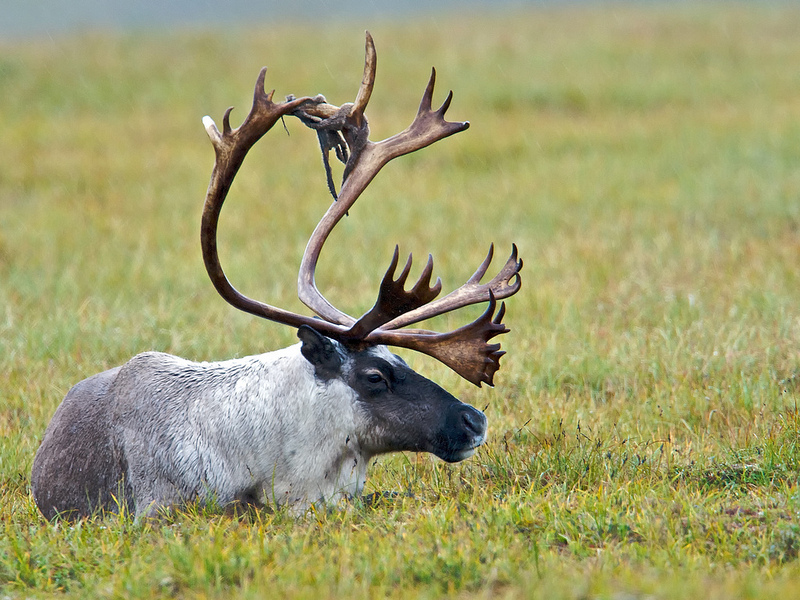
(294, 426)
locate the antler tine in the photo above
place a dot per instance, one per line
(262, 116)
(506, 283)
(426, 104)
(429, 126)
(367, 82)
(424, 280)
(481, 270)
(394, 300)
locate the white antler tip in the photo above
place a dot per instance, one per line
(211, 128)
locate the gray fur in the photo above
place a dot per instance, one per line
(161, 431)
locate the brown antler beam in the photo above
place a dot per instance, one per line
(466, 350)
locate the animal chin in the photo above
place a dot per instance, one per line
(454, 456)
(464, 454)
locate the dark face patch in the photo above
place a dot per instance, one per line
(320, 352)
(409, 412)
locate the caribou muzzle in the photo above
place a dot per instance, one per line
(463, 432)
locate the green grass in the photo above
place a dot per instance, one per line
(644, 430)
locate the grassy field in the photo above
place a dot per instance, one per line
(644, 431)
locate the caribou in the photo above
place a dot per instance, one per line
(296, 426)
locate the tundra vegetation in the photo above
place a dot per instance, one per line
(644, 431)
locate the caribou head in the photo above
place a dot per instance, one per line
(292, 426)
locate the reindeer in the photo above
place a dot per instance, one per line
(295, 426)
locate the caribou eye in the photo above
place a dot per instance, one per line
(377, 380)
(375, 377)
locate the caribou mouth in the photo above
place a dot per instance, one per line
(453, 455)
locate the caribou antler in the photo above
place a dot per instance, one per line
(345, 129)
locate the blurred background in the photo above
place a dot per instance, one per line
(48, 17)
(643, 156)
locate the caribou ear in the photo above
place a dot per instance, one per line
(320, 352)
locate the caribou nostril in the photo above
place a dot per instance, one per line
(474, 421)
